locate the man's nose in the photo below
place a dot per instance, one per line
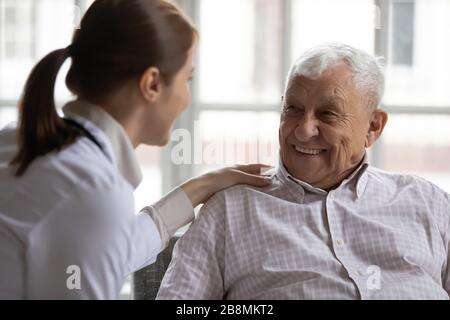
(307, 128)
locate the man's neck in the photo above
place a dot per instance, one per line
(347, 174)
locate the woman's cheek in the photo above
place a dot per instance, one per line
(185, 99)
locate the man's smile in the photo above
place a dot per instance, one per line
(308, 151)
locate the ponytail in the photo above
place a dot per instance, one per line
(41, 130)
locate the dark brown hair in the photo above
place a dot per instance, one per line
(117, 41)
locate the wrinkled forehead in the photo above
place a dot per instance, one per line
(334, 81)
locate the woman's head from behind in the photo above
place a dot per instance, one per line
(133, 57)
(142, 46)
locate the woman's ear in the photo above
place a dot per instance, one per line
(151, 84)
(378, 121)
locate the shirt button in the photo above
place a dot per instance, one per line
(340, 242)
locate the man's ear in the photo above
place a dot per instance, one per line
(151, 84)
(378, 121)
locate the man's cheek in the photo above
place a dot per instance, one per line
(282, 137)
(346, 152)
(338, 155)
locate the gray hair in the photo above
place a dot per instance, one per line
(367, 70)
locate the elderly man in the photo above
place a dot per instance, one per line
(331, 226)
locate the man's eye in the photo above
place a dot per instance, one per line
(291, 110)
(329, 114)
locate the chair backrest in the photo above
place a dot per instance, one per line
(146, 282)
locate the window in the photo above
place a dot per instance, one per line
(419, 144)
(30, 29)
(238, 42)
(318, 21)
(417, 96)
(253, 138)
(18, 29)
(418, 54)
(403, 32)
(7, 116)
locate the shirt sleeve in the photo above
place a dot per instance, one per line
(170, 213)
(197, 265)
(87, 246)
(446, 273)
(446, 279)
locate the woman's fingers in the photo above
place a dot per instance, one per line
(252, 179)
(201, 188)
(252, 174)
(252, 168)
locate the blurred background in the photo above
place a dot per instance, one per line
(246, 49)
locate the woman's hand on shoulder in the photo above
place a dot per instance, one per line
(201, 188)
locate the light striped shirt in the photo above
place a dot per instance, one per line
(379, 235)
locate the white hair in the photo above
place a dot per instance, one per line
(367, 70)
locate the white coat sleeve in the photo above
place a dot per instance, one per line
(170, 213)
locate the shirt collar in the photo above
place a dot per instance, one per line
(359, 175)
(123, 149)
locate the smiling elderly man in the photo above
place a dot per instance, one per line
(331, 226)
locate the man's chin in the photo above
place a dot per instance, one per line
(305, 171)
(306, 178)
(304, 174)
